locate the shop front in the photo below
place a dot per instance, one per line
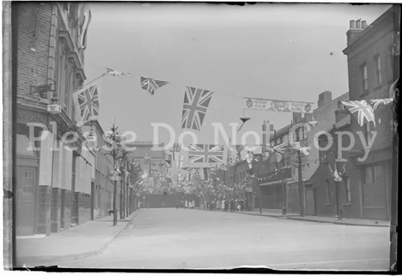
(27, 169)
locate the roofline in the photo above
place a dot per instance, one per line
(369, 29)
(283, 130)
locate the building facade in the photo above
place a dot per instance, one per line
(365, 190)
(278, 177)
(53, 180)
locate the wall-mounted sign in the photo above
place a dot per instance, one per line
(41, 88)
(27, 116)
(54, 109)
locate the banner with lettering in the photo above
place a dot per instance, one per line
(278, 106)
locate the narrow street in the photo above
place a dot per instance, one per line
(182, 238)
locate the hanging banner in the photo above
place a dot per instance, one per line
(278, 106)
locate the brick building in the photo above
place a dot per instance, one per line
(53, 181)
(365, 189)
(102, 191)
(274, 175)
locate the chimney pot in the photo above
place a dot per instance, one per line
(358, 26)
(352, 24)
(364, 24)
(324, 98)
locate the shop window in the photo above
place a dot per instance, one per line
(378, 173)
(24, 147)
(369, 175)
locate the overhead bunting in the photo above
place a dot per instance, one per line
(205, 154)
(377, 102)
(196, 102)
(86, 102)
(362, 110)
(277, 105)
(116, 73)
(151, 85)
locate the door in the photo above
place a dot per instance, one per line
(310, 202)
(25, 201)
(374, 192)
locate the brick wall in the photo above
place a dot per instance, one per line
(84, 207)
(55, 210)
(33, 32)
(67, 200)
(43, 222)
(74, 208)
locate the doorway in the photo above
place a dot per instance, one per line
(25, 200)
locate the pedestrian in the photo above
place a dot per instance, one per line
(185, 204)
(223, 205)
(147, 204)
(163, 204)
(177, 204)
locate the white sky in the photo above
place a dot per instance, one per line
(275, 51)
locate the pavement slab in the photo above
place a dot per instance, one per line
(85, 240)
(183, 238)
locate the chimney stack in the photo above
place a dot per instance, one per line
(324, 98)
(341, 112)
(356, 27)
(297, 117)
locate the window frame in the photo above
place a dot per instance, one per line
(364, 72)
(377, 59)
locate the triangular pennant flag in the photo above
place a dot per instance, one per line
(151, 85)
(86, 102)
(116, 73)
(244, 119)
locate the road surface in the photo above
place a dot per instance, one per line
(181, 238)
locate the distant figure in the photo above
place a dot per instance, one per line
(139, 204)
(193, 203)
(163, 204)
(185, 204)
(177, 204)
(223, 204)
(147, 205)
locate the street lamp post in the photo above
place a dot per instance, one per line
(301, 190)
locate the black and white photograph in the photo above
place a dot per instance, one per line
(200, 136)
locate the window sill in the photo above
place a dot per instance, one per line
(378, 87)
(347, 204)
(364, 94)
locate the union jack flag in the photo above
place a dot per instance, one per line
(86, 101)
(195, 106)
(364, 111)
(377, 102)
(205, 154)
(151, 85)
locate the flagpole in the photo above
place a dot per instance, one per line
(83, 85)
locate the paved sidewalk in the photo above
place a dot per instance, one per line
(345, 221)
(85, 240)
